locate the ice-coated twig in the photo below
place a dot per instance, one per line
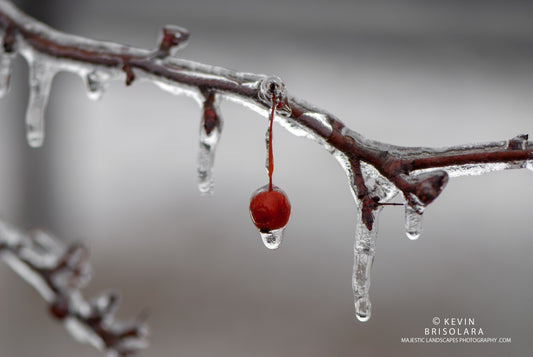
(58, 273)
(79, 55)
(418, 173)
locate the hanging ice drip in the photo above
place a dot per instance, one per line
(7, 55)
(270, 208)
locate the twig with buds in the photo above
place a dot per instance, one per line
(58, 273)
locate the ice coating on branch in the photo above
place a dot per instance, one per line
(413, 221)
(321, 122)
(272, 87)
(83, 334)
(27, 255)
(318, 121)
(272, 239)
(348, 170)
(519, 142)
(33, 26)
(41, 73)
(364, 251)
(28, 274)
(176, 89)
(477, 169)
(377, 184)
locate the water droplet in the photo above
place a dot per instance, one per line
(363, 309)
(413, 221)
(96, 85)
(41, 76)
(5, 72)
(272, 239)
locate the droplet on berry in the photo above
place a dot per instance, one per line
(270, 212)
(272, 239)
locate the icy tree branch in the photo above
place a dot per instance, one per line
(58, 272)
(377, 171)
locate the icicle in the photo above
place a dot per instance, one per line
(365, 240)
(413, 221)
(364, 250)
(41, 76)
(96, 85)
(206, 159)
(272, 239)
(5, 72)
(210, 130)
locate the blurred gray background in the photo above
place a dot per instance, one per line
(120, 175)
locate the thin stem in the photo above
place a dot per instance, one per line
(270, 151)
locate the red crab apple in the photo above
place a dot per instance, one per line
(270, 209)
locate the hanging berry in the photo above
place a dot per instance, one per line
(270, 208)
